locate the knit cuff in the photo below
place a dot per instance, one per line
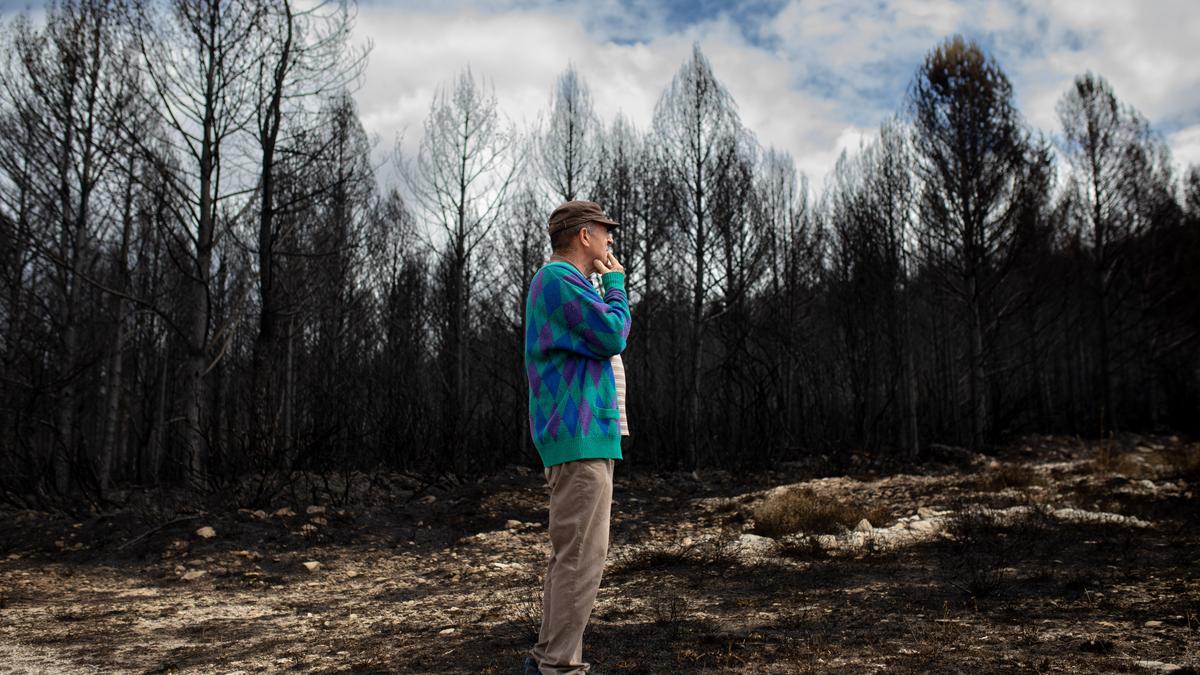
(613, 280)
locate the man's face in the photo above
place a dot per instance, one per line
(598, 241)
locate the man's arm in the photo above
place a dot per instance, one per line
(582, 321)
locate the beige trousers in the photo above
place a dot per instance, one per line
(580, 505)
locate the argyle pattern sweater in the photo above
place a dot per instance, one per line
(571, 332)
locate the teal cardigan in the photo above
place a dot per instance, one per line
(571, 333)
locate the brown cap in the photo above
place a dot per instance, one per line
(577, 212)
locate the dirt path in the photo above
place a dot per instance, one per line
(453, 585)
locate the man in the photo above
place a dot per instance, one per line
(572, 334)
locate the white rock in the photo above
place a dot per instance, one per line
(864, 525)
(512, 524)
(312, 566)
(1153, 624)
(193, 575)
(755, 545)
(1081, 516)
(1158, 666)
(924, 526)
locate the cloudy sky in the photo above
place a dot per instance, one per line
(809, 76)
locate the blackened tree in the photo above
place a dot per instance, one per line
(971, 147)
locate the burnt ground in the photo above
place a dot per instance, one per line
(446, 578)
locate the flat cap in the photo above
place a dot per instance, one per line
(577, 212)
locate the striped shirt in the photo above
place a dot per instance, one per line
(618, 367)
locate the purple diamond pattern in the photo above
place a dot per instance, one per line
(570, 333)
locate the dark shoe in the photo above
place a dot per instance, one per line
(530, 667)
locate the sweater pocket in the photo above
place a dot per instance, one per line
(606, 413)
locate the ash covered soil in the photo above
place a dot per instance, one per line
(1051, 555)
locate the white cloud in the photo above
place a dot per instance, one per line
(523, 52)
(1145, 50)
(1185, 146)
(802, 123)
(519, 53)
(824, 74)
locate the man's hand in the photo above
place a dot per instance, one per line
(609, 264)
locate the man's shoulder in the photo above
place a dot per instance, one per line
(558, 272)
(556, 269)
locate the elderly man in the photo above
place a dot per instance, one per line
(573, 335)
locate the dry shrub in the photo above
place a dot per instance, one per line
(670, 612)
(981, 553)
(1135, 465)
(637, 560)
(1106, 455)
(1114, 458)
(802, 548)
(1183, 461)
(527, 613)
(1094, 496)
(986, 549)
(1015, 476)
(804, 511)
